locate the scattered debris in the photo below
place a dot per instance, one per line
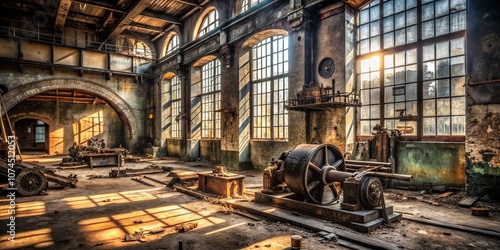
(251, 224)
(447, 233)
(431, 202)
(106, 200)
(331, 237)
(186, 226)
(139, 221)
(94, 176)
(140, 235)
(479, 211)
(443, 195)
(468, 201)
(138, 179)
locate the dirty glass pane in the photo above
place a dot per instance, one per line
(429, 89)
(443, 68)
(374, 2)
(364, 46)
(458, 105)
(442, 7)
(399, 58)
(411, 108)
(411, 92)
(365, 128)
(429, 107)
(375, 96)
(399, 5)
(365, 96)
(389, 77)
(374, 13)
(442, 50)
(443, 125)
(411, 17)
(456, 5)
(375, 43)
(458, 86)
(388, 61)
(399, 93)
(389, 124)
(388, 24)
(442, 26)
(411, 73)
(458, 125)
(375, 111)
(364, 16)
(400, 37)
(428, 70)
(400, 21)
(411, 56)
(458, 21)
(388, 8)
(428, 29)
(428, 52)
(365, 66)
(411, 34)
(375, 28)
(375, 79)
(443, 106)
(388, 94)
(429, 126)
(389, 110)
(443, 88)
(399, 75)
(427, 12)
(411, 3)
(457, 66)
(457, 47)
(398, 107)
(389, 40)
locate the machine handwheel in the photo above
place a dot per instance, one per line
(30, 182)
(371, 192)
(304, 171)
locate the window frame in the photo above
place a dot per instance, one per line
(169, 49)
(206, 24)
(211, 100)
(176, 102)
(271, 82)
(419, 44)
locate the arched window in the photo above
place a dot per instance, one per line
(209, 23)
(173, 44)
(247, 4)
(140, 49)
(210, 100)
(270, 88)
(410, 51)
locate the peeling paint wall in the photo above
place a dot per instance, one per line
(483, 99)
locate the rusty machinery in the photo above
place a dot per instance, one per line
(95, 154)
(28, 179)
(316, 173)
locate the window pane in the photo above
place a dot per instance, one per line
(458, 125)
(443, 106)
(429, 108)
(443, 125)
(429, 126)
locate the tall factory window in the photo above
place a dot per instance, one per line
(210, 100)
(40, 132)
(210, 22)
(411, 83)
(270, 88)
(175, 91)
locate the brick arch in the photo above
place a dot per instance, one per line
(118, 104)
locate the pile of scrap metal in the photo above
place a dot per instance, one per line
(30, 179)
(95, 154)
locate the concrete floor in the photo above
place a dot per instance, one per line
(100, 211)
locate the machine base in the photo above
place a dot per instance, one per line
(363, 220)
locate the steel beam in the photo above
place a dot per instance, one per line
(161, 17)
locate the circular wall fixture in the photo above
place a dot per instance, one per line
(326, 67)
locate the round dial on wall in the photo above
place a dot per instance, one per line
(326, 67)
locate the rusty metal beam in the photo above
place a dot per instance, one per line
(188, 2)
(161, 17)
(134, 10)
(62, 13)
(100, 5)
(109, 19)
(146, 27)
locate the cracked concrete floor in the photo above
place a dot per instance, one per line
(99, 212)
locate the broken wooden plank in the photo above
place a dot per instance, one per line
(311, 224)
(193, 193)
(479, 211)
(468, 201)
(143, 182)
(484, 232)
(155, 180)
(443, 195)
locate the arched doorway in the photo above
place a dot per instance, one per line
(32, 135)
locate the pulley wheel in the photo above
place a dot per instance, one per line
(371, 192)
(304, 168)
(30, 182)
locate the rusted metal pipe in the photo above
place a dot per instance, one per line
(399, 177)
(367, 163)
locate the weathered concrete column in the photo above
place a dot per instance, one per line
(299, 49)
(185, 116)
(482, 142)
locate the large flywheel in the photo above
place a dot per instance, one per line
(305, 169)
